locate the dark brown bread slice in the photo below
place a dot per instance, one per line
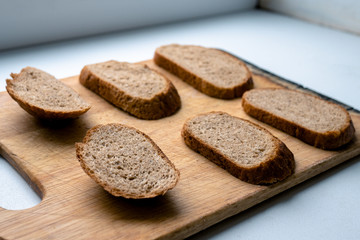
(246, 150)
(315, 121)
(126, 162)
(211, 71)
(134, 88)
(44, 96)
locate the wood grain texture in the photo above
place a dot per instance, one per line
(73, 206)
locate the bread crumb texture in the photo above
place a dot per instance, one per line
(134, 88)
(136, 79)
(319, 123)
(43, 90)
(215, 66)
(244, 149)
(304, 109)
(126, 162)
(241, 141)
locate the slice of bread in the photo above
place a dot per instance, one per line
(44, 96)
(126, 162)
(211, 71)
(134, 88)
(246, 150)
(315, 121)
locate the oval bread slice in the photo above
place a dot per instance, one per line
(247, 151)
(44, 96)
(126, 162)
(134, 88)
(315, 121)
(211, 71)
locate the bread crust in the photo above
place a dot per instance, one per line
(39, 112)
(328, 140)
(163, 104)
(202, 84)
(117, 192)
(277, 167)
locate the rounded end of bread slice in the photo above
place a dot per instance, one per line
(44, 96)
(246, 150)
(211, 71)
(134, 88)
(315, 121)
(126, 162)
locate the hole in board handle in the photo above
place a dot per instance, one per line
(15, 192)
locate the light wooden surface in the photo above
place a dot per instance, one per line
(74, 207)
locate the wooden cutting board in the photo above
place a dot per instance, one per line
(74, 207)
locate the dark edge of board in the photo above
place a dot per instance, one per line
(288, 83)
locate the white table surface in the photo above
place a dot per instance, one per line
(325, 60)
